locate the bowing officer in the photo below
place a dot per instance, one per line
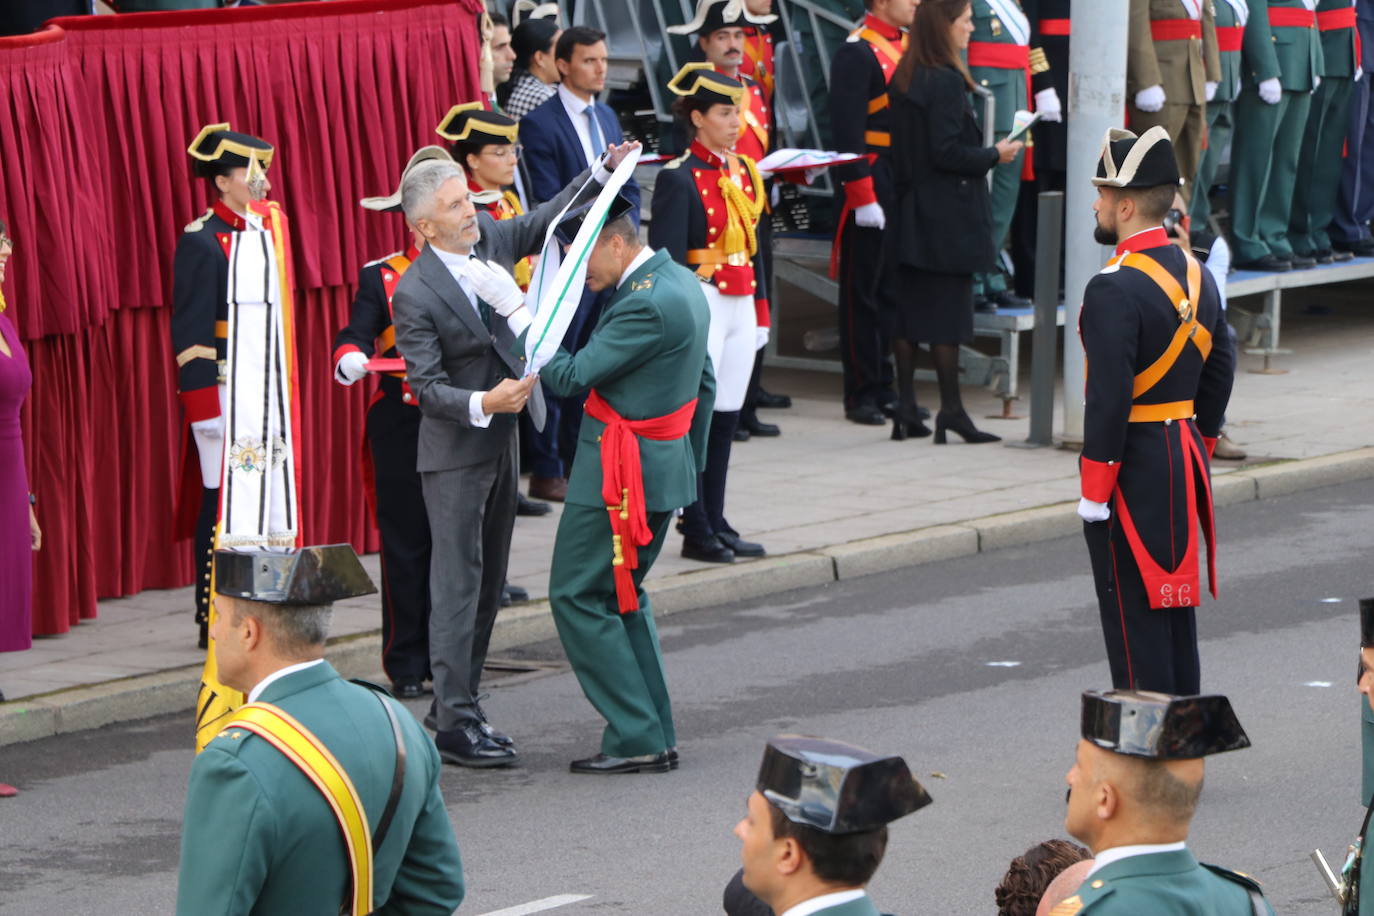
(320, 796)
(816, 827)
(235, 165)
(1133, 789)
(1160, 367)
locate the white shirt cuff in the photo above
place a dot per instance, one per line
(519, 320)
(475, 415)
(603, 174)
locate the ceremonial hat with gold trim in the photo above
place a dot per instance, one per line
(1128, 161)
(714, 15)
(836, 787)
(1159, 726)
(217, 147)
(291, 575)
(703, 81)
(473, 123)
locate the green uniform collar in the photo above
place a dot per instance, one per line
(635, 281)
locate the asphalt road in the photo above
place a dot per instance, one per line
(917, 662)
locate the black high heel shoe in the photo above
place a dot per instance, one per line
(906, 424)
(961, 424)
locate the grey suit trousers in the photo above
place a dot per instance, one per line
(471, 515)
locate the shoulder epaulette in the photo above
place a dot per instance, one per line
(383, 259)
(198, 223)
(1239, 877)
(1111, 268)
(678, 161)
(644, 283)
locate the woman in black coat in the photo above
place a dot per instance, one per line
(941, 232)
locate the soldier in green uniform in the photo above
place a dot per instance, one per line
(1221, 93)
(650, 391)
(319, 792)
(1133, 789)
(1005, 59)
(1281, 58)
(815, 828)
(1321, 160)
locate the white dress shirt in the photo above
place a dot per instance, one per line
(278, 675)
(1108, 856)
(455, 264)
(816, 904)
(577, 113)
(645, 254)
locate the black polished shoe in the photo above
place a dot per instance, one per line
(408, 689)
(500, 738)
(866, 415)
(757, 427)
(1267, 264)
(530, 508)
(772, 401)
(603, 765)
(469, 746)
(984, 304)
(513, 593)
(1360, 248)
(672, 758)
(739, 547)
(1333, 255)
(1323, 256)
(906, 424)
(961, 424)
(1302, 261)
(1006, 299)
(711, 550)
(741, 434)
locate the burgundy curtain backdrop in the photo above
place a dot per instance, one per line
(95, 116)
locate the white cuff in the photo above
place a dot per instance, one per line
(519, 320)
(475, 415)
(603, 174)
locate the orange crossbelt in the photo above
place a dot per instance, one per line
(1186, 306)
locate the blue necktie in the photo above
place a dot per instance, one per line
(594, 132)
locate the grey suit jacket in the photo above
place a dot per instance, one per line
(450, 354)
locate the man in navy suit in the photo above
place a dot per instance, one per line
(560, 138)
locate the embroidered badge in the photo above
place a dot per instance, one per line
(249, 455)
(640, 285)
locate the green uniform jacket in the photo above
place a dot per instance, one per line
(1228, 86)
(861, 907)
(1180, 66)
(646, 357)
(258, 837)
(1008, 87)
(1367, 748)
(1292, 54)
(1164, 884)
(1338, 45)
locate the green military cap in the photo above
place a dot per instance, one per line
(291, 575)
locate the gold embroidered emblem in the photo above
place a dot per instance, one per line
(996, 25)
(640, 286)
(249, 454)
(1068, 907)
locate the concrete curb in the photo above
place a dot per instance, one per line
(140, 697)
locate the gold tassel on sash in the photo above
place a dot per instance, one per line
(741, 213)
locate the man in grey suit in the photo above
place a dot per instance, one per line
(461, 362)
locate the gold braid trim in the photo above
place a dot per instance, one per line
(2, 302)
(742, 214)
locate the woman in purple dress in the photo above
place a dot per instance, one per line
(19, 532)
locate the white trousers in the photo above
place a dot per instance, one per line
(730, 342)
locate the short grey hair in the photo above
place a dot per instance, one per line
(295, 630)
(422, 183)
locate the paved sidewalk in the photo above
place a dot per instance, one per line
(828, 482)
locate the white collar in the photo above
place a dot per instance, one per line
(1108, 856)
(1193, 8)
(816, 904)
(645, 254)
(1242, 10)
(573, 103)
(278, 675)
(451, 259)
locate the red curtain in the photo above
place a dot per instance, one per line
(95, 116)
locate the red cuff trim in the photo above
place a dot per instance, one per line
(860, 192)
(1098, 479)
(1211, 443)
(345, 348)
(761, 316)
(200, 404)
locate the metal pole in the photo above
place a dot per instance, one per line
(1097, 101)
(1044, 337)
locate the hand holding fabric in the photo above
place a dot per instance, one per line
(1091, 511)
(352, 367)
(1047, 103)
(870, 216)
(1151, 99)
(1271, 91)
(495, 286)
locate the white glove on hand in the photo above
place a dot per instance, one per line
(1316, 82)
(1047, 103)
(1209, 90)
(775, 196)
(1090, 511)
(810, 175)
(870, 216)
(1271, 91)
(495, 286)
(1151, 99)
(209, 436)
(760, 338)
(352, 366)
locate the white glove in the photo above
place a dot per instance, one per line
(352, 366)
(496, 288)
(775, 196)
(810, 175)
(760, 338)
(1209, 90)
(1047, 103)
(870, 216)
(1316, 82)
(1271, 91)
(1090, 511)
(1151, 99)
(209, 436)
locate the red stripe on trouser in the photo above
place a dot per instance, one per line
(1121, 613)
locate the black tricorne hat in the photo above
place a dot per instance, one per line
(1367, 623)
(217, 147)
(836, 787)
(473, 123)
(703, 81)
(1128, 161)
(1159, 726)
(291, 575)
(714, 15)
(571, 224)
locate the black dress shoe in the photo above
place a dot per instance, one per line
(772, 401)
(1006, 299)
(711, 550)
(1360, 248)
(408, 689)
(757, 427)
(1333, 255)
(500, 738)
(529, 507)
(1302, 261)
(960, 424)
(741, 434)
(516, 592)
(672, 758)
(603, 765)
(1324, 256)
(740, 547)
(984, 304)
(1268, 263)
(469, 746)
(866, 415)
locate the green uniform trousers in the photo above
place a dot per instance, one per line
(1220, 124)
(1186, 126)
(1320, 165)
(615, 656)
(1264, 169)
(1006, 188)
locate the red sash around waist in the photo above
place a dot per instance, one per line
(1229, 37)
(998, 55)
(622, 484)
(1175, 29)
(1054, 26)
(1330, 20)
(1287, 17)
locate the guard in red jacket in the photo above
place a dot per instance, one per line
(1160, 367)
